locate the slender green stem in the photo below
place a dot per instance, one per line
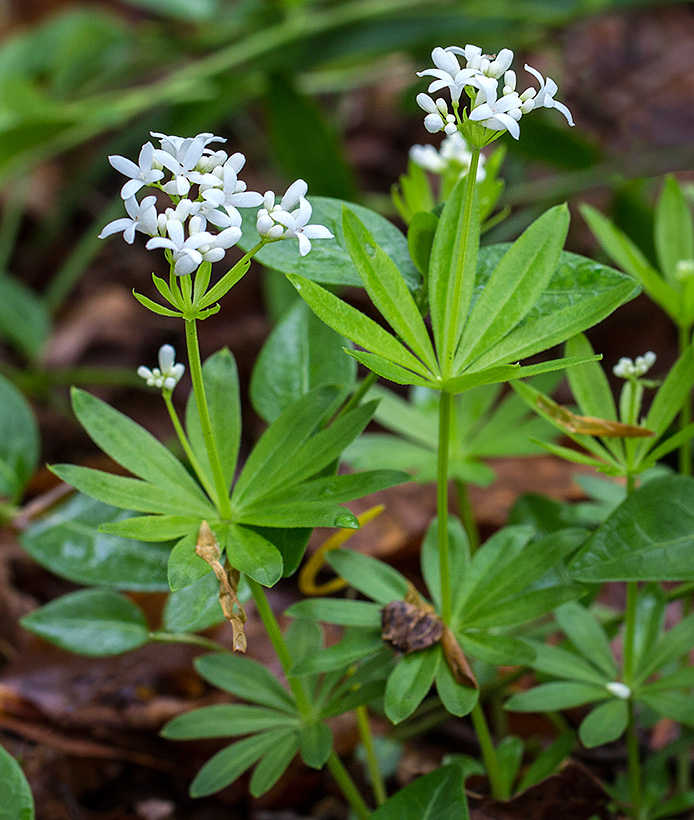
(377, 784)
(222, 491)
(358, 394)
(274, 632)
(187, 449)
(629, 631)
(445, 407)
(187, 637)
(346, 784)
(634, 764)
(454, 321)
(685, 452)
(467, 515)
(491, 761)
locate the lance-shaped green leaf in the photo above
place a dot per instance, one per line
(355, 645)
(226, 720)
(19, 441)
(489, 375)
(70, 542)
(499, 650)
(229, 764)
(458, 700)
(133, 447)
(627, 256)
(17, 800)
(604, 724)
(246, 679)
(452, 272)
(674, 232)
(354, 325)
(580, 294)
(516, 284)
(548, 697)
(387, 288)
(221, 381)
(563, 663)
(152, 527)
(315, 744)
(329, 260)
(249, 552)
(93, 622)
(282, 440)
(300, 354)
(589, 384)
(155, 307)
(185, 565)
(373, 578)
(671, 396)
(338, 611)
(389, 370)
(586, 633)
(131, 493)
(649, 537)
(409, 683)
(675, 643)
(273, 764)
(548, 760)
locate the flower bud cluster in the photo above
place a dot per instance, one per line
(202, 220)
(632, 369)
(168, 374)
(453, 156)
(490, 83)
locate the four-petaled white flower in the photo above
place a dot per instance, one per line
(449, 74)
(288, 219)
(498, 115)
(143, 218)
(545, 94)
(302, 230)
(185, 252)
(141, 174)
(168, 374)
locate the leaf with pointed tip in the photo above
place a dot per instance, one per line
(436, 796)
(604, 724)
(155, 307)
(371, 577)
(674, 232)
(409, 683)
(245, 678)
(19, 441)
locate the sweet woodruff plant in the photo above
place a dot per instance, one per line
(458, 321)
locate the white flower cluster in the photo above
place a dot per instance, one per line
(168, 374)
(205, 190)
(628, 369)
(483, 76)
(289, 218)
(453, 155)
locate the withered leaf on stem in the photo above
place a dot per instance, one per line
(208, 549)
(588, 425)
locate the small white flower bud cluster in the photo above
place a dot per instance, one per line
(629, 369)
(482, 76)
(168, 374)
(205, 190)
(618, 689)
(454, 155)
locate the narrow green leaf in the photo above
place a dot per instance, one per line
(251, 553)
(152, 527)
(458, 700)
(354, 325)
(649, 537)
(133, 447)
(229, 764)
(509, 753)
(674, 232)
(519, 609)
(499, 650)
(650, 619)
(300, 354)
(282, 440)
(24, 318)
(489, 375)
(15, 793)
(458, 557)
(672, 394)
(675, 643)
(225, 720)
(337, 611)
(93, 622)
(387, 289)
(409, 683)
(354, 646)
(245, 678)
(563, 663)
(221, 380)
(516, 284)
(677, 706)
(389, 370)
(553, 365)
(420, 239)
(548, 761)
(548, 697)
(155, 307)
(452, 272)
(369, 576)
(586, 633)
(19, 441)
(627, 256)
(604, 724)
(315, 744)
(274, 763)
(68, 542)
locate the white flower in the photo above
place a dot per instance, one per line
(437, 118)
(143, 218)
(168, 374)
(545, 94)
(181, 156)
(454, 154)
(628, 369)
(618, 689)
(498, 115)
(141, 174)
(449, 74)
(303, 231)
(223, 189)
(185, 252)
